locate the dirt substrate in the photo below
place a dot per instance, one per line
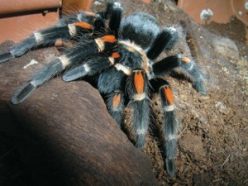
(213, 140)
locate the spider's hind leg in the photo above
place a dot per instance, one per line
(195, 74)
(170, 124)
(166, 65)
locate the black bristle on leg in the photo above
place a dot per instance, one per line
(115, 104)
(90, 67)
(170, 125)
(4, 57)
(174, 38)
(169, 128)
(137, 90)
(99, 25)
(170, 146)
(105, 14)
(23, 47)
(110, 80)
(81, 51)
(41, 77)
(164, 40)
(195, 74)
(115, 19)
(47, 37)
(22, 93)
(140, 120)
(164, 66)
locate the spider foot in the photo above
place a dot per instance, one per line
(170, 167)
(199, 87)
(5, 57)
(22, 93)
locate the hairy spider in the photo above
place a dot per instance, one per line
(122, 57)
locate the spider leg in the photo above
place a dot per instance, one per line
(164, 40)
(46, 37)
(196, 75)
(115, 18)
(137, 90)
(60, 63)
(115, 105)
(90, 67)
(169, 125)
(167, 64)
(110, 80)
(164, 66)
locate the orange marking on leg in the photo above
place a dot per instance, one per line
(84, 25)
(89, 13)
(115, 55)
(139, 82)
(109, 38)
(116, 100)
(186, 60)
(168, 95)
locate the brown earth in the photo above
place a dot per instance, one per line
(213, 140)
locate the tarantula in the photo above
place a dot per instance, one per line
(122, 57)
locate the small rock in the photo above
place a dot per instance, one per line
(221, 107)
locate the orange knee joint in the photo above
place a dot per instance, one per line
(139, 81)
(84, 25)
(116, 101)
(168, 95)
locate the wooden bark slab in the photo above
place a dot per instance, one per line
(67, 135)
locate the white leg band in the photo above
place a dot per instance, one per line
(65, 61)
(169, 108)
(86, 68)
(141, 131)
(100, 44)
(72, 30)
(38, 37)
(171, 137)
(124, 69)
(139, 97)
(111, 60)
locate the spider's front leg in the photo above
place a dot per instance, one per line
(47, 37)
(72, 56)
(137, 90)
(170, 125)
